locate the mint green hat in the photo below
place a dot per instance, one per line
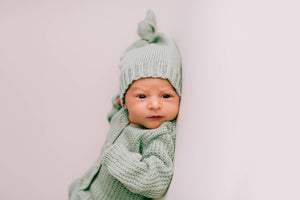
(154, 55)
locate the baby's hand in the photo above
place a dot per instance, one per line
(118, 101)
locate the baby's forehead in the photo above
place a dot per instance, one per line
(150, 88)
(151, 83)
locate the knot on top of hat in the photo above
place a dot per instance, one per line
(146, 28)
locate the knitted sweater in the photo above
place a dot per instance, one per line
(134, 163)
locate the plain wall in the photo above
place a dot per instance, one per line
(238, 131)
(238, 128)
(58, 73)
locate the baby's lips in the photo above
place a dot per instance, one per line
(155, 117)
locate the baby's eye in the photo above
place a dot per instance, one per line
(165, 96)
(141, 96)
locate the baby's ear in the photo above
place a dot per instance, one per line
(118, 101)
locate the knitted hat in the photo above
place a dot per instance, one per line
(154, 55)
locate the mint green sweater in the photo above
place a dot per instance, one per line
(134, 163)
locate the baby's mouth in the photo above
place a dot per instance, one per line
(155, 117)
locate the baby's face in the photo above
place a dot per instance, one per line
(150, 102)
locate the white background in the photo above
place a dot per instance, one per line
(238, 129)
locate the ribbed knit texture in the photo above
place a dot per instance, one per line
(137, 163)
(154, 55)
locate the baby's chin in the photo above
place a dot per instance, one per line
(153, 125)
(148, 125)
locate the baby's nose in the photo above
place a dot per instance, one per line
(154, 103)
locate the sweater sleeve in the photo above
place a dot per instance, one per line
(148, 173)
(115, 108)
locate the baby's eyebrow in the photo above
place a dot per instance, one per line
(167, 89)
(145, 89)
(137, 88)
